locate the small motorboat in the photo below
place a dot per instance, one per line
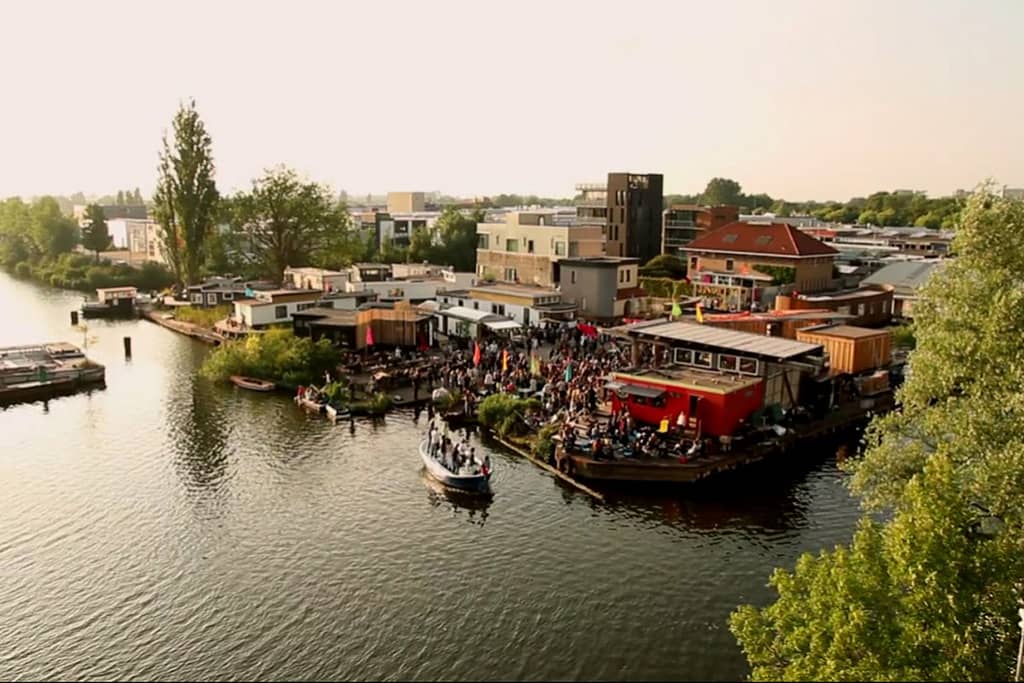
(310, 399)
(251, 383)
(475, 479)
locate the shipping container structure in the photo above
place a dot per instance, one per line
(710, 403)
(851, 350)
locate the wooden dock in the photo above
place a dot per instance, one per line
(167, 320)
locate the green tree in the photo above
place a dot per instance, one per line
(722, 191)
(457, 234)
(929, 220)
(186, 194)
(120, 198)
(53, 232)
(932, 593)
(95, 235)
(868, 217)
(664, 265)
(291, 220)
(137, 199)
(78, 198)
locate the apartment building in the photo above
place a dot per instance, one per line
(683, 223)
(528, 246)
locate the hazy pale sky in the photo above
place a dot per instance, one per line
(800, 99)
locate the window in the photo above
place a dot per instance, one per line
(730, 238)
(703, 359)
(622, 215)
(749, 366)
(197, 298)
(574, 248)
(763, 240)
(559, 248)
(280, 312)
(729, 264)
(476, 305)
(498, 309)
(511, 275)
(572, 277)
(302, 307)
(211, 298)
(728, 362)
(622, 276)
(529, 247)
(629, 275)
(483, 241)
(512, 245)
(683, 356)
(228, 296)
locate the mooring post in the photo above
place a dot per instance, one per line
(127, 347)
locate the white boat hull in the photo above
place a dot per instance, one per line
(464, 482)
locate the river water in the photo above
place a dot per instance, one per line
(168, 528)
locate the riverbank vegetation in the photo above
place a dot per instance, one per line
(276, 355)
(203, 317)
(931, 593)
(505, 413)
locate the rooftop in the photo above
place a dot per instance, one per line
(902, 275)
(514, 290)
(845, 331)
(599, 261)
(773, 239)
(715, 337)
(367, 266)
(704, 380)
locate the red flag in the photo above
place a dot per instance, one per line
(423, 342)
(476, 353)
(369, 336)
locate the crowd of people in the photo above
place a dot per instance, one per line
(458, 457)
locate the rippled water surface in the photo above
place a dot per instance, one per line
(169, 528)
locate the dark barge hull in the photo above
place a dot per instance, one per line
(93, 378)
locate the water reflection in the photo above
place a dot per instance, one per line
(439, 495)
(196, 423)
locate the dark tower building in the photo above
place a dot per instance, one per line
(634, 215)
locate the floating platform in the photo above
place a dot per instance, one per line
(42, 371)
(672, 470)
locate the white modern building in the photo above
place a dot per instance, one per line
(273, 306)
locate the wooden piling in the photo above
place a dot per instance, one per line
(544, 466)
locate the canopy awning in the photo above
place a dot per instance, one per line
(502, 324)
(637, 390)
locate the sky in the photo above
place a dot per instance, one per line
(798, 99)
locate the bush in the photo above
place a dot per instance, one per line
(23, 269)
(666, 288)
(903, 337)
(544, 444)
(502, 412)
(276, 355)
(203, 317)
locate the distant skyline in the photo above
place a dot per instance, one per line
(799, 99)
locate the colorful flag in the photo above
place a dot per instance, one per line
(476, 354)
(369, 336)
(700, 314)
(676, 310)
(504, 360)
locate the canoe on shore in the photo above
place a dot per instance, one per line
(251, 383)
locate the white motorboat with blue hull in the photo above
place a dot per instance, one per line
(478, 482)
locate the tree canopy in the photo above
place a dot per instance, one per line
(95, 235)
(932, 593)
(292, 222)
(453, 242)
(186, 194)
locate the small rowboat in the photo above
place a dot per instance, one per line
(335, 413)
(479, 481)
(251, 383)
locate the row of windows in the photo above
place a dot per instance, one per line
(726, 362)
(625, 275)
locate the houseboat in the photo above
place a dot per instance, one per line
(111, 302)
(717, 399)
(35, 372)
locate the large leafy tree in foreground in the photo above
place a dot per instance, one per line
(932, 593)
(292, 222)
(186, 194)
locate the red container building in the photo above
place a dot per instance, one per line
(714, 404)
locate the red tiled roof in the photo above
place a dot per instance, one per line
(775, 239)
